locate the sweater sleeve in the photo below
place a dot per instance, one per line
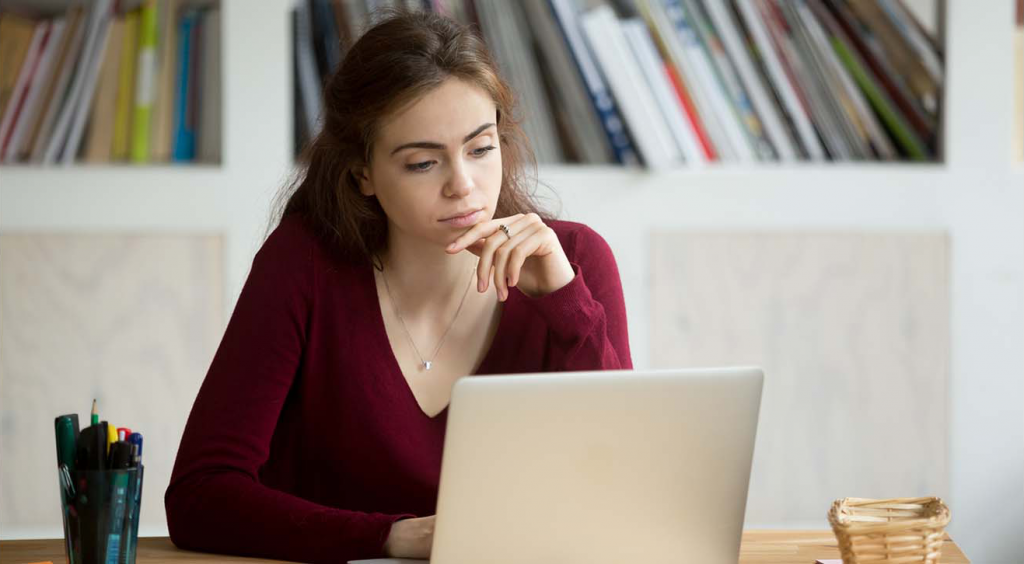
(587, 316)
(215, 501)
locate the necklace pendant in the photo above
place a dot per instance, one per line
(427, 364)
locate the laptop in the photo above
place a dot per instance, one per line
(597, 467)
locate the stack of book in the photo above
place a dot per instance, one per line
(111, 82)
(669, 83)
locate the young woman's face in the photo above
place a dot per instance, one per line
(436, 165)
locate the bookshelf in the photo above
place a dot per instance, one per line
(111, 82)
(975, 196)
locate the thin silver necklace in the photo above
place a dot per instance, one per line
(427, 364)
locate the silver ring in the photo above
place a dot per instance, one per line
(504, 229)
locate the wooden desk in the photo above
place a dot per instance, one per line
(759, 547)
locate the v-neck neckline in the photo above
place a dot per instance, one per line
(396, 368)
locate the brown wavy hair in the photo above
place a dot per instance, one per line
(398, 60)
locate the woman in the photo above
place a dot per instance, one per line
(408, 255)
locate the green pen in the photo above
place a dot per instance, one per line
(66, 429)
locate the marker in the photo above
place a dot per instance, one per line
(111, 436)
(135, 439)
(122, 433)
(66, 429)
(95, 414)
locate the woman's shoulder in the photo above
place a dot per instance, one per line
(294, 240)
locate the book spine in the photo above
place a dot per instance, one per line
(182, 138)
(126, 87)
(604, 104)
(145, 83)
(29, 67)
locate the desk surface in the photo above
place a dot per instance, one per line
(759, 547)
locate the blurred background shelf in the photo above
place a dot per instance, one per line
(103, 81)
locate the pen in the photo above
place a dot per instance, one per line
(122, 433)
(135, 439)
(66, 430)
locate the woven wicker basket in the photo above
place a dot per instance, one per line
(889, 531)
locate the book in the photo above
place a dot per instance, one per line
(569, 95)
(100, 140)
(857, 110)
(924, 123)
(17, 100)
(659, 82)
(762, 103)
(90, 73)
(727, 76)
(15, 38)
(57, 89)
(671, 51)
(184, 124)
(71, 116)
(812, 92)
(24, 128)
(700, 71)
(145, 82)
(887, 111)
(208, 143)
(604, 104)
(162, 117)
(510, 39)
(788, 93)
(126, 86)
(892, 45)
(611, 49)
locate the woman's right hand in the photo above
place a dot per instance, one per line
(410, 538)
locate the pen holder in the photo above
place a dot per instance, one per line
(101, 514)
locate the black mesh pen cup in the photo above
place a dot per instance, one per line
(101, 514)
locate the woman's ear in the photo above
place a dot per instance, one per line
(361, 175)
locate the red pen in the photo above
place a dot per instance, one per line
(122, 433)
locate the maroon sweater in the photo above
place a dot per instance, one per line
(305, 441)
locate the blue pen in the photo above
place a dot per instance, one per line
(135, 439)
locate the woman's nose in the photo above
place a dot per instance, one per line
(460, 183)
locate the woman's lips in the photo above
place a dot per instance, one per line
(463, 220)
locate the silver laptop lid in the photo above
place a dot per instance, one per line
(597, 467)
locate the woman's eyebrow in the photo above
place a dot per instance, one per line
(435, 145)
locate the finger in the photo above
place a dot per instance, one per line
(477, 247)
(480, 231)
(524, 231)
(483, 268)
(492, 242)
(521, 252)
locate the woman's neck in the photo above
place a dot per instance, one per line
(423, 277)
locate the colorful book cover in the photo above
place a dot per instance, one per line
(145, 83)
(184, 128)
(125, 87)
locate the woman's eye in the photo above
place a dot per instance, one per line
(483, 151)
(419, 167)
